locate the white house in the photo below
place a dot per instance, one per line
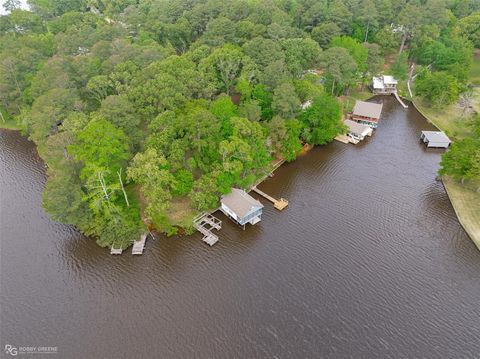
(241, 207)
(384, 85)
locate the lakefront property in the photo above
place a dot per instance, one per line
(436, 139)
(357, 130)
(241, 207)
(170, 133)
(367, 113)
(384, 85)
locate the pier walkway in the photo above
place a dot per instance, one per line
(205, 223)
(278, 204)
(399, 99)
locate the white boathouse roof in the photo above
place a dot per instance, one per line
(436, 136)
(357, 128)
(240, 202)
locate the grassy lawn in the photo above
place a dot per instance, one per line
(448, 119)
(181, 212)
(466, 202)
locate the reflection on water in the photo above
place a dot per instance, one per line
(369, 260)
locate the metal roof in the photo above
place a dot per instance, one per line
(389, 80)
(240, 202)
(436, 136)
(357, 128)
(378, 83)
(367, 109)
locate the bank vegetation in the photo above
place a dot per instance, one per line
(147, 111)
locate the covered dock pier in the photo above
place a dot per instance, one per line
(435, 139)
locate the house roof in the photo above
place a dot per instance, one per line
(389, 80)
(367, 109)
(357, 128)
(436, 136)
(378, 83)
(240, 202)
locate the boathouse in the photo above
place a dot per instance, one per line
(367, 113)
(357, 130)
(241, 207)
(384, 85)
(436, 139)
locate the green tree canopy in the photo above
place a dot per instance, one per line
(321, 120)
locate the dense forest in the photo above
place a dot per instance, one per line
(147, 111)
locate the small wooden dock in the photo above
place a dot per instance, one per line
(279, 204)
(346, 139)
(205, 223)
(342, 138)
(138, 246)
(116, 251)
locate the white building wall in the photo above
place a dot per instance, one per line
(229, 212)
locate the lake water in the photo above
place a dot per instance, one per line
(368, 261)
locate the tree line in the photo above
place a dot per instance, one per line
(152, 109)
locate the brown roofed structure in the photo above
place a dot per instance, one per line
(367, 113)
(367, 109)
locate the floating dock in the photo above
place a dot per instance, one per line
(205, 223)
(138, 246)
(116, 251)
(279, 204)
(346, 139)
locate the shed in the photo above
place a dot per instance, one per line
(358, 130)
(367, 113)
(435, 139)
(241, 207)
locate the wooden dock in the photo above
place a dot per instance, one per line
(279, 204)
(138, 246)
(116, 251)
(346, 139)
(205, 223)
(342, 138)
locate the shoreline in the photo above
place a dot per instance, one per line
(456, 192)
(470, 223)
